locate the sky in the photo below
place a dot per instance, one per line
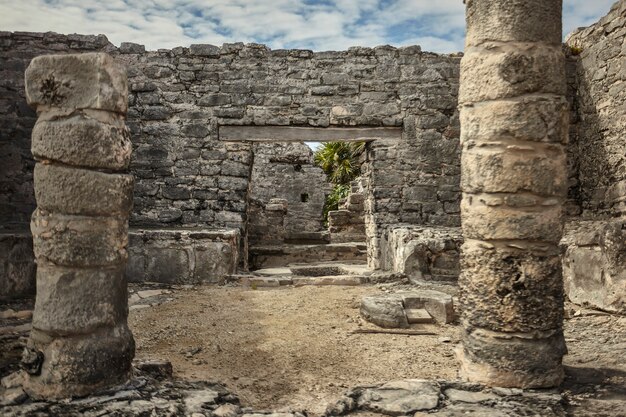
(320, 25)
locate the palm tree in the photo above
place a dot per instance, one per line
(340, 160)
(340, 163)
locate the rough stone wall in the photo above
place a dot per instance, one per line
(285, 171)
(594, 249)
(17, 200)
(601, 105)
(185, 176)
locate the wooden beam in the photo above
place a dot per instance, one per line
(307, 134)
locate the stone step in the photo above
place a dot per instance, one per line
(418, 315)
(347, 280)
(283, 255)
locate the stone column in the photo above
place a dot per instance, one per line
(513, 132)
(80, 341)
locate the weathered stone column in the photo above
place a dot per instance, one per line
(80, 341)
(513, 133)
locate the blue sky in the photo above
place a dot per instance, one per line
(436, 25)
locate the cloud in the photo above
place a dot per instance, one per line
(312, 24)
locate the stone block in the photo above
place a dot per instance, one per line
(508, 169)
(509, 290)
(494, 217)
(79, 241)
(536, 119)
(84, 192)
(82, 141)
(593, 265)
(131, 48)
(74, 301)
(501, 72)
(77, 81)
(514, 20)
(384, 311)
(203, 49)
(79, 365)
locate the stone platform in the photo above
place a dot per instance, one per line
(182, 256)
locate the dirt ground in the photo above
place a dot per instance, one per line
(287, 347)
(293, 347)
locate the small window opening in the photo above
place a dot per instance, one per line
(304, 197)
(297, 167)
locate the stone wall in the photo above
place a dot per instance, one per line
(594, 249)
(285, 171)
(601, 125)
(187, 177)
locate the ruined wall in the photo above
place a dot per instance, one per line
(594, 249)
(185, 176)
(601, 105)
(285, 171)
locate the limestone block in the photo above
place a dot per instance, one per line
(81, 141)
(510, 169)
(84, 192)
(494, 217)
(384, 311)
(79, 365)
(78, 240)
(518, 361)
(510, 290)
(593, 266)
(513, 20)
(85, 81)
(500, 72)
(537, 119)
(79, 301)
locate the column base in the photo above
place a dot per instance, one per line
(75, 366)
(512, 361)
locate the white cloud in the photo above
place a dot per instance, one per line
(322, 25)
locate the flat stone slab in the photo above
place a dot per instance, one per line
(424, 398)
(402, 397)
(418, 315)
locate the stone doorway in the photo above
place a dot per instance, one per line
(274, 237)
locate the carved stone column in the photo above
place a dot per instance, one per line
(80, 341)
(513, 132)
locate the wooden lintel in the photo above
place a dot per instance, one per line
(307, 134)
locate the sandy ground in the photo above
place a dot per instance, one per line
(293, 347)
(288, 347)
